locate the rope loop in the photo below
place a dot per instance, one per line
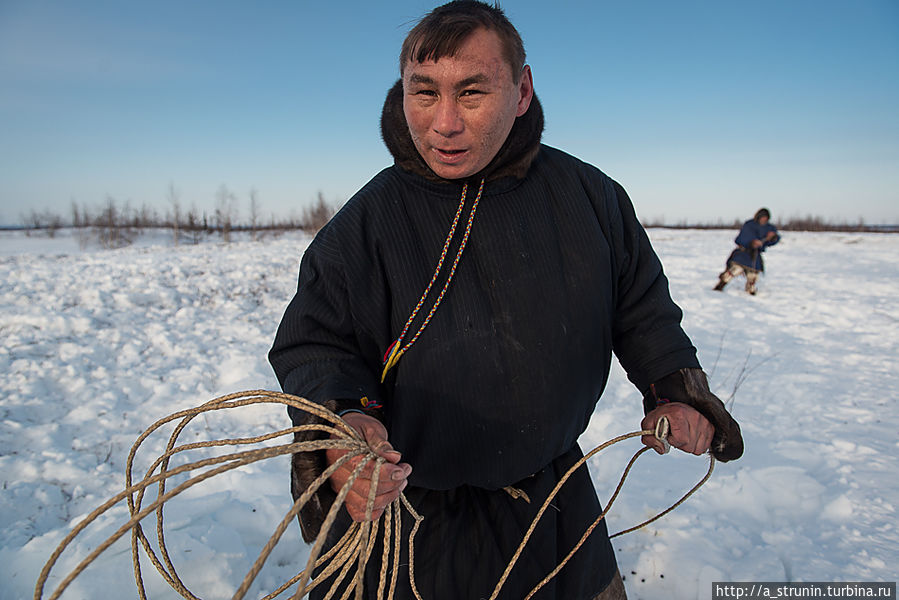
(354, 549)
(356, 546)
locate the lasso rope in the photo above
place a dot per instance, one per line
(657, 432)
(354, 548)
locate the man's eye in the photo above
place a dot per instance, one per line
(471, 92)
(425, 93)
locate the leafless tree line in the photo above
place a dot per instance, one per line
(806, 223)
(116, 223)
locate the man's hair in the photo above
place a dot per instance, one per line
(443, 31)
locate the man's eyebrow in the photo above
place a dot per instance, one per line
(419, 78)
(473, 80)
(427, 80)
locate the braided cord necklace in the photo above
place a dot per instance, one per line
(396, 350)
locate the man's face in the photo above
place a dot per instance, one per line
(460, 109)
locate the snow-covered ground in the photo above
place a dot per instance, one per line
(95, 346)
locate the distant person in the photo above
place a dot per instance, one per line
(556, 274)
(755, 235)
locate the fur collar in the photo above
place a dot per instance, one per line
(513, 159)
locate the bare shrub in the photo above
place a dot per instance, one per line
(317, 216)
(45, 222)
(111, 226)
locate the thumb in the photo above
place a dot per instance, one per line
(375, 435)
(385, 450)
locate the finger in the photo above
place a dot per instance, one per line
(649, 424)
(374, 434)
(692, 445)
(385, 450)
(333, 455)
(703, 432)
(356, 507)
(681, 436)
(693, 435)
(654, 443)
(385, 486)
(357, 503)
(359, 496)
(389, 477)
(694, 442)
(389, 472)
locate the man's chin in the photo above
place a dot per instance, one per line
(452, 172)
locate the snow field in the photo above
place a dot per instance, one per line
(98, 345)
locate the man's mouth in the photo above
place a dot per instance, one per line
(449, 155)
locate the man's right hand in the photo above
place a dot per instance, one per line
(393, 478)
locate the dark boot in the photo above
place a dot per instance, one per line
(723, 279)
(751, 279)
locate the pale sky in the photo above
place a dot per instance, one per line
(703, 111)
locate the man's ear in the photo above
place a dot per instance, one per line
(525, 90)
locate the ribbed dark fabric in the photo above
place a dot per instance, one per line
(557, 273)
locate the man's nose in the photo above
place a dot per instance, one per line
(448, 118)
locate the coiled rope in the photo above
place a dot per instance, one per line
(354, 549)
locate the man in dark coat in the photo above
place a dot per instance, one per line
(484, 370)
(755, 235)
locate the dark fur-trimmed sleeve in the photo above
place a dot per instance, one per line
(691, 387)
(320, 354)
(305, 467)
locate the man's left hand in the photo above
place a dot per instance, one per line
(689, 430)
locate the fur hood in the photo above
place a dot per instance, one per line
(513, 159)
